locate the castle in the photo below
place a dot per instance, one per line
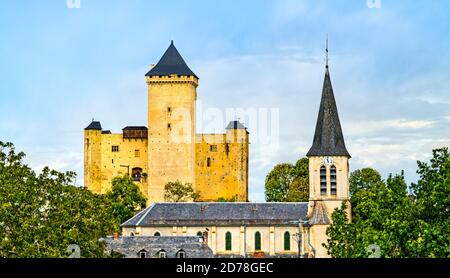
(247, 229)
(169, 150)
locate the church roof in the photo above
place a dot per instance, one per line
(131, 246)
(319, 216)
(328, 138)
(95, 125)
(235, 125)
(171, 63)
(223, 214)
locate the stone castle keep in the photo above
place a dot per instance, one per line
(169, 149)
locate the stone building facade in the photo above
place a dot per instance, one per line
(169, 149)
(231, 229)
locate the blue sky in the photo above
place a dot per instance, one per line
(61, 67)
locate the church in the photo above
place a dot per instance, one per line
(169, 150)
(243, 229)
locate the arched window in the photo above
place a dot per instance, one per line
(333, 180)
(257, 241)
(228, 241)
(181, 254)
(136, 173)
(323, 180)
(157, 234)
(287, 241)
(131, 234)
(199, 233)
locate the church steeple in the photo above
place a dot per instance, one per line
(328, 137)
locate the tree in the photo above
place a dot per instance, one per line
(402, 224)
(126, 199)
(432, 211)
(179, 192)
(363, 179)
(381, 216)
(42, 214)
(288, 183)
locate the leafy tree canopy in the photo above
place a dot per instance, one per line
(42, 214)
(126, 199)
(179, 192)
(386, 214)
(288, 183)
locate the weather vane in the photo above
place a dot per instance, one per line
(327, 53)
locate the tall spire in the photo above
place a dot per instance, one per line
(171, 63)
(328, 137)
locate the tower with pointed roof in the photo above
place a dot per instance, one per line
(172, 94)
(170, 150)
(328, 167)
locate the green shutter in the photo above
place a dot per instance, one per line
(228, 241)
(257, 241)
(287, 241)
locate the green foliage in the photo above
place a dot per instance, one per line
(403, 225)
(229, 200)
(432, 210)
(126, 198)
(41, 215)
(363, 179)
(179, 192)
(288, 183)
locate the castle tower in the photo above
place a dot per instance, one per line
(92, 157)
(172, 93)
(237, 140)
(328, 168)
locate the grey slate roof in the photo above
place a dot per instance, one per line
(131, 246)
(328, 138)
(224, 214)
(319, 216)
(95, 125)
(171, 63)
(235, 125)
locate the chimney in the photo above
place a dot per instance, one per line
(116, 236)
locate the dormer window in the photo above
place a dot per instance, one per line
(143, 254)
(162, 254)
(181, 254)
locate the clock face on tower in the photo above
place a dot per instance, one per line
(328, 161)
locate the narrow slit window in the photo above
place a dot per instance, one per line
(208, 162)
(333, 180)
(287, 241)
(257, 241)
(323, 180)
(228, 241)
